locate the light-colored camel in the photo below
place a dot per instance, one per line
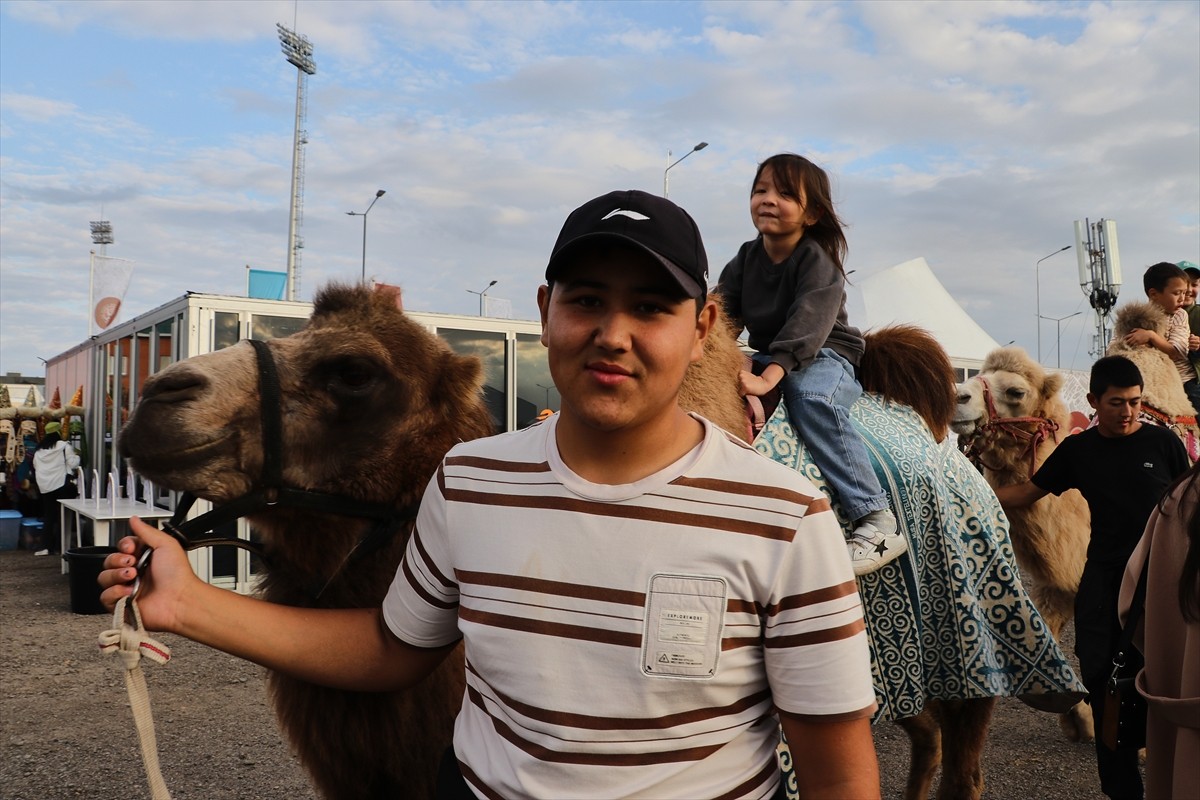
(371, 402)
(1163, 400)
(1010, 417)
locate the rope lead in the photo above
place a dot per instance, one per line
(132, 644)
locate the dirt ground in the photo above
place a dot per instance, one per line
(66, 729)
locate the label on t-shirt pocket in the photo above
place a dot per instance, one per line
(685, 617)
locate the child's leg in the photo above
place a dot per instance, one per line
(818, 398)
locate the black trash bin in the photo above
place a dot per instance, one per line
(86, 564)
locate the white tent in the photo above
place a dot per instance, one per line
(909, 293)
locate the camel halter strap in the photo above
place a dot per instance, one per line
(132, 643)
(1011, 426)
(270, 492)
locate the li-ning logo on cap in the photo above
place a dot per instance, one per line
(623, 212)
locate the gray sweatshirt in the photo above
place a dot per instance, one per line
(792, 309)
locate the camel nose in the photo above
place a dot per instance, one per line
(174, 385)
(963, 398)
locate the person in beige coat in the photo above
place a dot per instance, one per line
(1169, 637)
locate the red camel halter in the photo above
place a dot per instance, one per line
(1011, 426)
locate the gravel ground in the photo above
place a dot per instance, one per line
(66, 729)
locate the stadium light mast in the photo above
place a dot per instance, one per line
(102, 234)
(298, 51)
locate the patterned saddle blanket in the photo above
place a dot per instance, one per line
(950, 619)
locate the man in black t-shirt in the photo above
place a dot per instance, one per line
(1121, 467)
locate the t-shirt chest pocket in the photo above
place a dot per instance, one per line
(685, 618)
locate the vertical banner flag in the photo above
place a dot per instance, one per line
(265, 285)
(109, 280)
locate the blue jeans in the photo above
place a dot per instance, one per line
(818, 397)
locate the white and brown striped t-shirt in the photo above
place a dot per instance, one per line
(630, 640)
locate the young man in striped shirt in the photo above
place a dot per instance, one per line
(642, 598)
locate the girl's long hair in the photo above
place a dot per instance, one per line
(1189, 578)
(800, 178)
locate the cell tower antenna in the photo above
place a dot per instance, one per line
(1099, 274)
(298, 51)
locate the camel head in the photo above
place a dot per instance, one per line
(370, 403)
(1018, 386)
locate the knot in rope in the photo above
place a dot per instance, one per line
(132, 643)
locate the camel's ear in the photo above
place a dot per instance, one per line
(1053, 382)
(459, 383)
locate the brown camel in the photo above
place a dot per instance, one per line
(371, 403)
(1010, 417)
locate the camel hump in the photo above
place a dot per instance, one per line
(1140, 314)
(905, 364)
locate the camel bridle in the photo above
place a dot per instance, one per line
(1030, 430)
(270, 492)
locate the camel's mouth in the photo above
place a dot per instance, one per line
(162, 458)
(965, 427)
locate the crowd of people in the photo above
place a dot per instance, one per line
(625, 309)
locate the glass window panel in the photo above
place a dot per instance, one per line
(142, 360)
(165, 352)
(111, 367)
(224, 559)
(488, 347)
(535, 390)
(225, 330)
(263, 327)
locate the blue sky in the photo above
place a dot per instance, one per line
(971, 134)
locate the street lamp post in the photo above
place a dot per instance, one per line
(670, 164)
(1058, 334)
(1037, 271)
(482, 295)
(378, 195)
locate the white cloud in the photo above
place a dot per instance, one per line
(969, 133)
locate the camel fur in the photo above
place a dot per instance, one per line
(372, 401)
(1051, 536)
(1162, 388)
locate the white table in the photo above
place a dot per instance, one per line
(104, 514)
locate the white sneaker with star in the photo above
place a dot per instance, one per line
(875, 542)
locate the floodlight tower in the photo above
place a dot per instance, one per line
(1099, 273)
(102, 234)
(298, 51)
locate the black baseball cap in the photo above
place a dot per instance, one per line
(649, 223)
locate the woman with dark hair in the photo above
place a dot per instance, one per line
(52, 465)
(1169, 637)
